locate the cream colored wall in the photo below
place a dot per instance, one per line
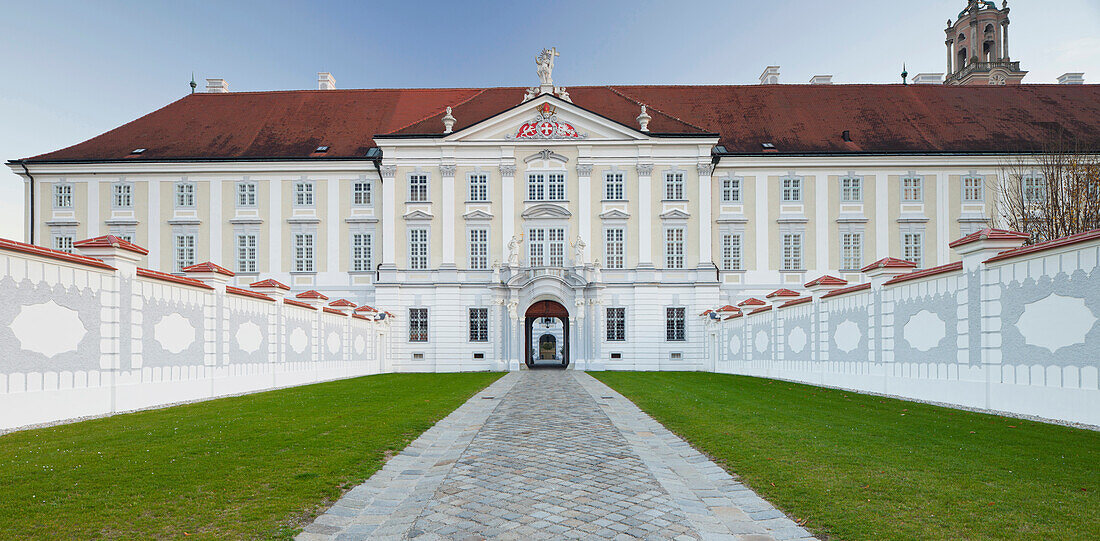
(809, 210)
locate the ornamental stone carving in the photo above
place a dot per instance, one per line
(704, 169)
(507, 170)
(447, 170)
(645, 169)
(388, 171)
(1055, 322)
(48, 328)
(584, 169)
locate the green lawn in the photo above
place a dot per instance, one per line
(255, 466)
(864, 467)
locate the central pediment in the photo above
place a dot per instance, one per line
(547, 118)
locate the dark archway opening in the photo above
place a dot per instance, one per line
(546, 335)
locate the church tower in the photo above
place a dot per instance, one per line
(977, 47)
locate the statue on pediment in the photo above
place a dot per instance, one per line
(545, 62)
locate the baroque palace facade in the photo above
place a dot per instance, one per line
(589, 225)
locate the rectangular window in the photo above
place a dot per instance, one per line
(616, 324)
(912, 190)
(63, 196)
(613, 187)
(479, 249)
(479, 187)
(536, 187)
(360, 193)
(418, 249)
(418, 324)
(546, 247)
(912, 248)
(246, 253)
(303, 252)
(792, 252)
(361, 251)
(972, 189)
(479, 324)
(731, 252)
(1035, 189)
(731, 190)
(851, 190)
(851, 251)
(185, 195)
(418, 188)
(674, 324)
(246, 194)
(792, 190)
(674, 186)
(63, 243)
(674, 248)
(555, 186)
(614, 247)
(123, 196)
(303, 194)
(185, 251)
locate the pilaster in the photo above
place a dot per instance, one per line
(705, 225)
(447, 171)
(645, 215)
(389, 203)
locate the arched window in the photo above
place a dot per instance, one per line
(962, 58)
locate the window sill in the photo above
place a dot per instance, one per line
(478, 202)
(302, 273)
(614, 201)
(418, 202)
(558, 201)
(674, 200)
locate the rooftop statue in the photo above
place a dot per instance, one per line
(545, 62)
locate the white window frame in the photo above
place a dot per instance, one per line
(247, 248)
(614, 186)
(122, 195)
(478, 248)
(851, 250)
(546, 246)
(185, 195)
(675, 324)
(675, 244)
(851, 189)
(973, 193)
(912, 247)
(185, 246)
(362, 193)
(479, 186)
(793, 254)
(614, 247)
(732, 252)
(674, 186)
(62, 195)
(419, 246)
(1034, 188)
(418, 325)
(305, 244)
(731, 190)
(362, 251)
(478, 324)
(419, 188)
(63, 242)
(303, 193)
(247, 194)
(615, 321)
(912, 189)
(790, 189)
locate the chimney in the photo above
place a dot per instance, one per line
(1071, 79)
(821, 80)
(928, 79)
(325, 81)
(217, 85)
(770, 76)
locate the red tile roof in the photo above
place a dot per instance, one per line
(311, 294)
(342, 303)
(796, 302)
(761, 309)
(293, 302)
(849, 289)
(781, 293)
(992, 234)
(795, 118)
(1048, 245)
(165, 277)
(110, 241)
(925, 273)
(209, 267)
(751, 301)
(334, 311)
(729, 308)
(889, 263)
(246, 293)
(270, 283)
(365, 308)
(23, 248)
(826, 281)
(706, 312)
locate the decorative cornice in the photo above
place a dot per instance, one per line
(447, 170)
(546, 154)
(507, 170)
(584, 169)
(704, 169)
(645, 169)
(387, 171)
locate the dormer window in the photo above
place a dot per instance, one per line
(321, 149)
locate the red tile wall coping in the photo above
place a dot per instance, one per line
(1048, 245)
(246, 293)
(783, 292)
(752, 301)
(334, 311)
(209, 267)
(110, 241)
(342, 302)
(843, 290)
(30, 249)
(761, 309)
(739, 314)
(991, 234)
(925, 273)
(312, 294)
(293, 302)
(270, 283)
(889, 263)
(361, 316)
(796, 302)
(165, 277)
(826, 281)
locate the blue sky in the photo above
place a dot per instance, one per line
(77, 69)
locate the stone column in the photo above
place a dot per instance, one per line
(950, 54)
(516, 351)
(1004, 38)
(448, 213)
(705, 257)
(389, 205)
(645, 215)
(584, 195)
(508, 211)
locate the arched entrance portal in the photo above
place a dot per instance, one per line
(546, 334)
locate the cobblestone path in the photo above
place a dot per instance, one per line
(551, 454)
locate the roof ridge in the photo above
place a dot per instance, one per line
(417, 121)
(658, 111)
